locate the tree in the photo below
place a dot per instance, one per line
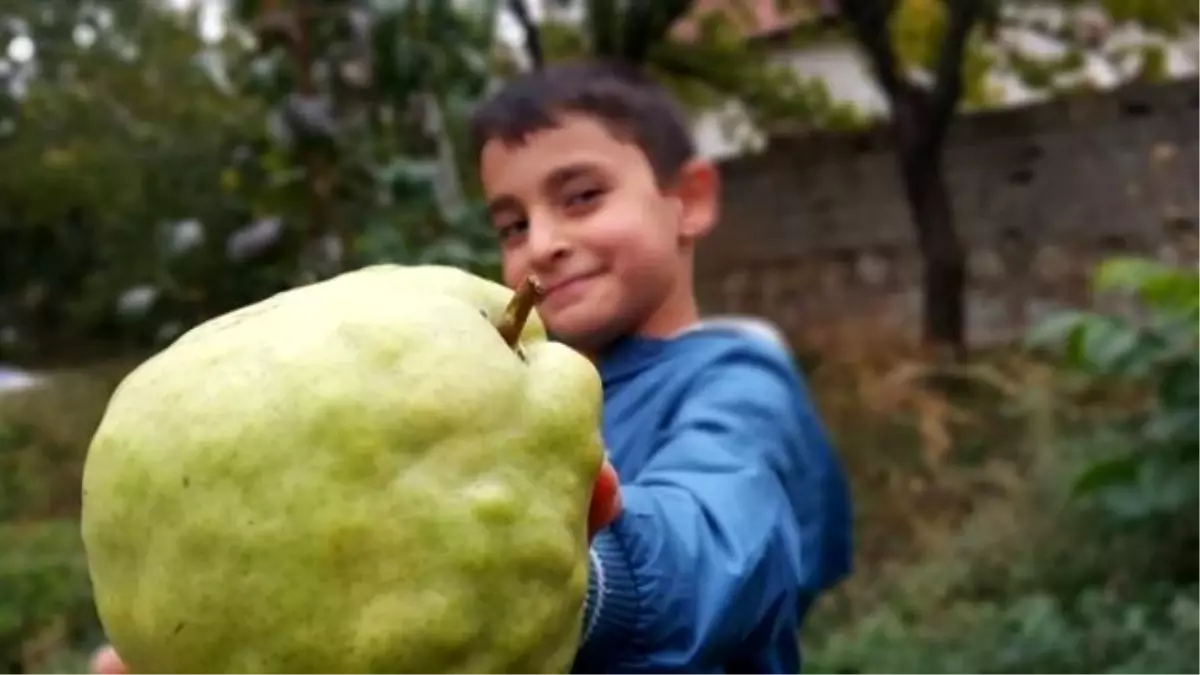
(369, 101)
(924, 86)
(920, 120)
(705, 66)
(313, 137)
(120, 129)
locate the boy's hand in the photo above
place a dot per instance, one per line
(606, 500)
(106, 662)
(606, 506)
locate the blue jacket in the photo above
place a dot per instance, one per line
(736, 513)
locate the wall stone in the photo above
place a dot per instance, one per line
(815, 233)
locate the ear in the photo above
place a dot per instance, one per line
(698, 190)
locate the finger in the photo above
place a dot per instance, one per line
(106, 662)
(606, 500)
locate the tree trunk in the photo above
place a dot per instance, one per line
(945, 273)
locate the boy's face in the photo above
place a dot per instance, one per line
(581, 210)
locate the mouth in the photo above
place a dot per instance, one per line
(566, 287)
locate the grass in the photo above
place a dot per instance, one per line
(46, 616)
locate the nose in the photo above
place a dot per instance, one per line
(546, 243)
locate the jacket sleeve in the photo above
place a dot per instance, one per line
(730, 520)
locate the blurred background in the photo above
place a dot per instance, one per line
(975, 220)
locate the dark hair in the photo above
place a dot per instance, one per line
(629, 103)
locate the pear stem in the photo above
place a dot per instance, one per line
(517, 313)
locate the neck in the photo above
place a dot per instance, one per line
(673, 316)
(677, 312)
(678, 309)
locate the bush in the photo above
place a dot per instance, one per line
(46, 610)
(1145, 457)
(47, 618)
(1098, 632)
(1086, 562)
(1033, 581)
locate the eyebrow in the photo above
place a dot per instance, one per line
(567, 173)
(557, 178)
(503, 203)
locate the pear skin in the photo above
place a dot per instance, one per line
(386, 472)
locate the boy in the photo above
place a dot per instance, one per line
(732, 514)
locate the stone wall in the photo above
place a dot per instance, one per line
(815, 233)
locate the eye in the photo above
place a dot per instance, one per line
(584, 196)
(508, 231)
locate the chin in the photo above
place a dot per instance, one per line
(590, 321)
(580, 332)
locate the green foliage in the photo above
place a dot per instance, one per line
(372, 149)
(717, 68)
(47, 619)
(155, 179)
(1146, 458)
(916, 30)
(1167, 16)
(1083, 30)
(706, 66)
(1036, 584)
(101, 160)
(45, 594)
(1049, 573)
(1025, 587)
(1099, 632)
(1033, 581)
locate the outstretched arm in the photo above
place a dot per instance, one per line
(740, 512)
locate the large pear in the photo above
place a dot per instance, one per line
(386, 472)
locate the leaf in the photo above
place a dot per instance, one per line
(1163, 287)
(1107, 344)
(1108, 472)
(1172, 427)
(1125, 273)
(1179, 386)
(409, 170)
(1098, 344)
(1058, 331)
(310, 117)
(1128, 502)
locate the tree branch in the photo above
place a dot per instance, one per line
(647, 24)
(602, 24)
(962, 17)
(533, 36)
(868, 20)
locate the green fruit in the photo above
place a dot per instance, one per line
(358, 476)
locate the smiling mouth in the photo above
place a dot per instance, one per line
(567, 285)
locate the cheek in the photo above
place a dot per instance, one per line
(630, 238)
(644, 252)
(514, 267)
